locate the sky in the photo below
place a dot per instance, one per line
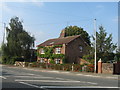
(45, 20)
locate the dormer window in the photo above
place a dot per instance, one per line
(42, 51)
(58, 50)
(81, 48)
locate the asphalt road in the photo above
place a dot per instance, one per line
(16, 77)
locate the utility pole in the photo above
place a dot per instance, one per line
(95, 45)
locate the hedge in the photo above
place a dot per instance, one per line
(65, 67)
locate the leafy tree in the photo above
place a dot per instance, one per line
(117, 55)
(19, 41)
(90, 56)
(104, 44)
(74, 30)
(0, 55)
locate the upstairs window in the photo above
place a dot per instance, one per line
(42, 51)
(81, 48)
(58, 50)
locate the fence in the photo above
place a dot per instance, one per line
(116, 68)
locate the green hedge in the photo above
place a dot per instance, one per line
(65, 67)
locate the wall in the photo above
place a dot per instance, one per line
(116, 67)
(107, 68)
(73, 52)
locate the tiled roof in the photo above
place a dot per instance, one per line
(58, 41)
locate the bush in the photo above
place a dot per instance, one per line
(90, 68)
(77, 67)
(52, 62)
(65, 67)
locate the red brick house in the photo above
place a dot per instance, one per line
(72, 47)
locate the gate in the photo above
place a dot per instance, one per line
(116, 68)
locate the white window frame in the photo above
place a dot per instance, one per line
(57, 61)
(41, 60)
(81, 48)
(42, 51)
(58, 50)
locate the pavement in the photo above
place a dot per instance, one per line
(86, 74)
(19, 77)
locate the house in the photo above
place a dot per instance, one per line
(72, 48)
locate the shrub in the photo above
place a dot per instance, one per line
(52, 61)
(90, 68)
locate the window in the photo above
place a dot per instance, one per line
(42, 51)
(81, 48)
(58, 50)
(42, 60)
(57, 61)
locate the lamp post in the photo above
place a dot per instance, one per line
(95, 45)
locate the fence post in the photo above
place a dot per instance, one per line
(72, 67)
(100, 66)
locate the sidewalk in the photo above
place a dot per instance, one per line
(86, 74)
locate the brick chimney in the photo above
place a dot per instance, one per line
(62, 34)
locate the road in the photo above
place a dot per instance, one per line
(16, 77)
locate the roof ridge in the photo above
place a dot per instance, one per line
(64, 40)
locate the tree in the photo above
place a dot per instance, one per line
(105, 46)
(117, 54)
(74, 30)
(19, 41)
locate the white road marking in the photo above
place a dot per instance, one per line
(113, 77)
(79, 74)
(29, 84)
(87, 75)
(77, 87)
(46, 81)
(53, 71)
(65, 86)
(64, 72)
(55, 81)
(60, 78)
(32, 77)
(95, 76)
(91, 83)
(3, 77)
(30, 74)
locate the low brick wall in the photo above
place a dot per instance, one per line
(107, 68)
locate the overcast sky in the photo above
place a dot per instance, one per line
(45, 20)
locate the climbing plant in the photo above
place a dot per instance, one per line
(49, 53)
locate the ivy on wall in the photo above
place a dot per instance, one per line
(49, 53)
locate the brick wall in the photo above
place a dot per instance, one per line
(107, 68)
(73, 52)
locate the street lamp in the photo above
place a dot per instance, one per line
(95, 45)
